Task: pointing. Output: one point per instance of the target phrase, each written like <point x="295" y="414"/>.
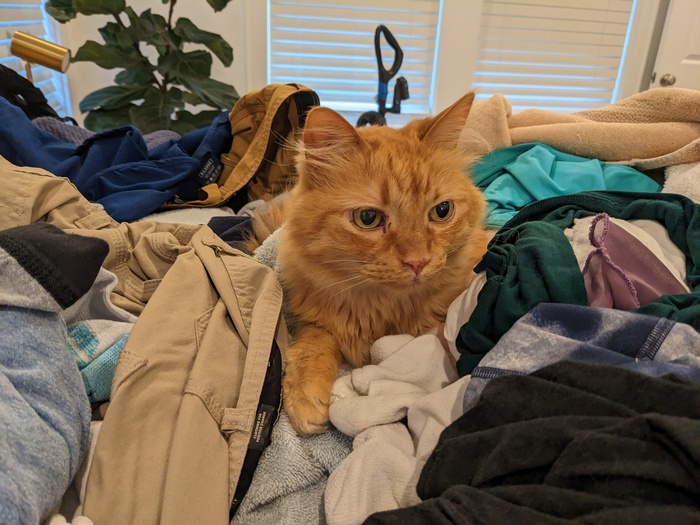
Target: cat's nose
<point x="417" y="265"/>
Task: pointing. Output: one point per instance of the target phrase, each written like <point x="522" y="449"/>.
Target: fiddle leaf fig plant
<point x="151" y="96"/>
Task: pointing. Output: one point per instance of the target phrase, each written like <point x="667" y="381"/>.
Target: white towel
<point x="683" y="179"/>
<point x="411" y="378"/>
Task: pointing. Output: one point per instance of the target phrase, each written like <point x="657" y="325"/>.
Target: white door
<point x="678" y="60"/>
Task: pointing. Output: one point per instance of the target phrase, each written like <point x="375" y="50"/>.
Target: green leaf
<point x="218" y="5"/>
<point x="110" y="33"/>
<point x="99" y="7"/>
<point x="131" y="14"/>
<point x="132" y="76"/>
<point x="222" y="50"/>
<point x="60" y="10"/>
<point x="212" y="92"/>
<point x="116" y="35"/>
<point x="185" y="29"/>
<point x="181" y="127"/>
<point x="105" y="119"/>
<point x="175" y="94"/>
<point x="198" y="120"/>
<point x="109" y="57"/>
<point x="191" y="98"/>
<point x="195" y="65"/>
<point x="153" y="29"/>
<point x="112" y="97"/>
<point x="155" y="113"/>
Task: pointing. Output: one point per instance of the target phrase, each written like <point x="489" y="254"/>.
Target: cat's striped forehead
<point x="403" y="170"/>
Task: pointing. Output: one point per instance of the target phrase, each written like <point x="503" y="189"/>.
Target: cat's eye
<point x="442" y="211"/>
<point x="367" y="218"/>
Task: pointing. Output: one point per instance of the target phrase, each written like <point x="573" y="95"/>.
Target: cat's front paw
<point x="306" y="405"/>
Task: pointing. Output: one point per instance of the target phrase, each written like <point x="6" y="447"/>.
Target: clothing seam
<point x="490" y="372"/>
<point x="655" y="339"/>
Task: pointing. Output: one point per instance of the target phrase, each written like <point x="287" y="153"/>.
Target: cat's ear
<point x="445" y="128"/>
<point x="328" y="139"/>
<point x="326" y="128"/>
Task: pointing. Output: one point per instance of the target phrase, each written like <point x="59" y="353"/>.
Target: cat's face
<point x="381" y="206"/>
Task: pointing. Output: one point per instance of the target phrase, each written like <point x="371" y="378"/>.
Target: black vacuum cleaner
<point x="385" y="75"/>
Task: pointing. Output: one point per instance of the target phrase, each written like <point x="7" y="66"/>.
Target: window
<point x="563" y="55"/>
<point x="29" y="16"/>
<point x="329" y="47"/>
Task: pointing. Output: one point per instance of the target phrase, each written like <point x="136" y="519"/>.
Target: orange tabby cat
<point x="381" y="233"/>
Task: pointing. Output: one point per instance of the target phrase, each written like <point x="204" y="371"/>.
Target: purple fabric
<point x="76" y="135"/>
<point x="621" y="272"/>
<point x="156" y="138"/>
<point x="62" y="130"/>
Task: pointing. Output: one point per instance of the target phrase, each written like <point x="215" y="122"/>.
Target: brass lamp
<point x="35" y="50"/>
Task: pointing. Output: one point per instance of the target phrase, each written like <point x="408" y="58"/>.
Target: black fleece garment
<point x="65" y="265"/>
<point x="570" y="443"/>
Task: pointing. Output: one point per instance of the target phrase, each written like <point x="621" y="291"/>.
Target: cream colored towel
<point x="411" y="378"/>
<point x="684" y="179"/>
<point x="652" y="129"/>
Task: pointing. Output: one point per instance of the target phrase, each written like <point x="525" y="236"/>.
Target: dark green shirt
<point x="530" y="261"/>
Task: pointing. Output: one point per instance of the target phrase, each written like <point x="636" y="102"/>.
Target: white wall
<point x="232" y="24"/>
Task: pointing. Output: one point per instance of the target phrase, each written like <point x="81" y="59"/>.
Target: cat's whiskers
<point x="280" y="164"/>
<point x="351" y="286"/>
<point x="341" y="265"/>
<point x="335" y="283"/>
<point x="476" y="138"/>
<point x="454" y="248"/>
<point x="333" y="261"/>
<point x="285" y="142"/>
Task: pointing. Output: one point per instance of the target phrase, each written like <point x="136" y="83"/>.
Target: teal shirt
<point x="530" y="261"/>
<point x="511" y="178"/>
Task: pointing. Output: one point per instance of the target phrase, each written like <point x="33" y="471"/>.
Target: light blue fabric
<point x="290" y="479"/>
<point x="97" y="333"/>
<point x="95" y="357"/>
<point x="44" y="411"/>
<point x="513" y="177"/>
<point x="44" y="414"/>
<point x="98" y="375"/>
<point x="96" y="364"/>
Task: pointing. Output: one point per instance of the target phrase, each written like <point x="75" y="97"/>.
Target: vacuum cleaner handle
<point x="377" y="118"/>
<point x="386" y="74"/>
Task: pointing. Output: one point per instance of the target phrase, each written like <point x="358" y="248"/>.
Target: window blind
<point x="562" y="55"/>
<point x="329" y="47"/>
<point x="29" y="16"/>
